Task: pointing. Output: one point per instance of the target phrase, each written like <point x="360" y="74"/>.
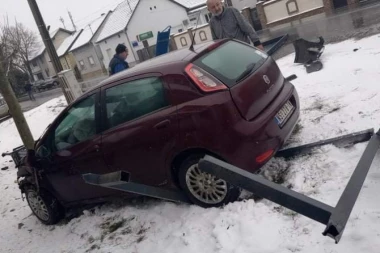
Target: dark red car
<point x="157" y="119"/>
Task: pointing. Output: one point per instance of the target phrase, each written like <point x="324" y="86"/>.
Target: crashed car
<point x="157" y="120"/>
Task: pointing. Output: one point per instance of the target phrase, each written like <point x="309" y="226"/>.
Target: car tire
<point x="44" y="206"/>
<point x="211" y="193"/>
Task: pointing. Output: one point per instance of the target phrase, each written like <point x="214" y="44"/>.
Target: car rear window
<point x="230" y="60"/>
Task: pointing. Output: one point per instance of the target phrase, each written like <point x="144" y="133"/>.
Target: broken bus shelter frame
<point x="335" y="219"/>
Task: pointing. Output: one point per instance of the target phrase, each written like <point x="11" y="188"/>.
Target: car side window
<point x="78" y="125"/>
<point x="134" y="99"/>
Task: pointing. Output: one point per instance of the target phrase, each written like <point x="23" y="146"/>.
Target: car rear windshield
<point x="229" y="61"/>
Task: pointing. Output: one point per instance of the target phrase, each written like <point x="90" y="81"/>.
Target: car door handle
<point x="162" y="124"/>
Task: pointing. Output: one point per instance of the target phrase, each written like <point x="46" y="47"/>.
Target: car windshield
<point x="229" y="61"/>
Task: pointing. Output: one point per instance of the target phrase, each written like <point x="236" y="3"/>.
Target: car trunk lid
<point x="252" y="77"/>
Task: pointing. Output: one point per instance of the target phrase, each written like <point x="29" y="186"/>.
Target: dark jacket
<point x="117" y="64"/>
<point x="232" y="24"/>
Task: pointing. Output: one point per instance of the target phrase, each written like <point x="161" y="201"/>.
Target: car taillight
<point x="205" y="81"/>
<point x="264" y="156"/>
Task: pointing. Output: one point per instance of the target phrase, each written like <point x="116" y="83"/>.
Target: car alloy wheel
<point x="38" y="206"/>
<point x="205" y="187"/>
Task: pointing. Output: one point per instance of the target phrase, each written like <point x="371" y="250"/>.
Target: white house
<point x="40" y="62"/>
<point x="136" y="23"/>
<point x="241" y="4"/>
<point x="86" y="53"/>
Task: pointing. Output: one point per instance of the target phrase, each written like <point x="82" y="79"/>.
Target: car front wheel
<point x="44" y="206"/>
<point x="204" y="189"/>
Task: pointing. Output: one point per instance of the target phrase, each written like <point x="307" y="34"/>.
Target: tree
<point x="24" y="43"/>
<point x="8" y="54"/>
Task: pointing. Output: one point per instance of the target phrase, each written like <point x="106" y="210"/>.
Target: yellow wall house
<point x="66" y="57"/>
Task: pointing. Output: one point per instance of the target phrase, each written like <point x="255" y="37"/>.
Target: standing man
<point x="118" y="62"/>
<point x="228" y="22"/>
<point x="28" y="88"/>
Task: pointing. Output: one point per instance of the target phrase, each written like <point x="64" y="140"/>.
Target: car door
<point x="75" y="146"/>
<point x="141" y="129"/>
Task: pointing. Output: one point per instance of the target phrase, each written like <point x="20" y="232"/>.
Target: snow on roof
<point x="67" y="43"/>
<point x="88" y="32"/>
<point x="118" y="19"/>
<point x="36" y="53"/>
<point x="54" y="32"/>
<point x="191" y="4"/>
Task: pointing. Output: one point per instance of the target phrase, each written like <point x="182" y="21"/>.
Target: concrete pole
<point x="15" y="111"/>
<point x="48" y="43"/>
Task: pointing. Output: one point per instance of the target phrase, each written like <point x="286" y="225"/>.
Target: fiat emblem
<point x="266" y="79"/>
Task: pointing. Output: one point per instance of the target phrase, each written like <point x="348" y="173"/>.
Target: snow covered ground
<point x="337" y="100"/>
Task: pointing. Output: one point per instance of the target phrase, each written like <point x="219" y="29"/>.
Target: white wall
<point x="202" y="35"/>
<point x="82" y="54"/>
<point x="277" y="10"/>
<point x="193" y="17"/>
<point x="111" y="44"/>
<point x="241" y="4"/>
<point x="144" y="20"/>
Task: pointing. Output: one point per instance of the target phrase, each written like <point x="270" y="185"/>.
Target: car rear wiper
<point x="247" y="71"/>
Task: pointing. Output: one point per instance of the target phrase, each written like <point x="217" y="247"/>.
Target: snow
<point x="88" y="32"/>
<point x="190" y="4"/>
<point x="341" y="98"/>
<point x="118" y="20"/>
<point x="67" y="43"/>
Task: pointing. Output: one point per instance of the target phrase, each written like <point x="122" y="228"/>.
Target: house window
<point x="202" y="36"/>
<point x="91" y="61"/>
<point x="34" y="63"/>
<point x="183" y="41"/>
<point x="81" y="64"/>
<point x="208" y="17"/>
<point x="292" y="7"/>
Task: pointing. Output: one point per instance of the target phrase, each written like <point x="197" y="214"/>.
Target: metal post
<point x="342" y="211"/>
<point x="266" y="189"/>
<point x="335" y="219"/>
<point x="47" y="41"/>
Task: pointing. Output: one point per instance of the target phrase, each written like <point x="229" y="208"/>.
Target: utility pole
<point x="72" y="21"/>
<point x="63" y="22"/>
<point x="15" y="110"/>
<point x="48" y="43"/>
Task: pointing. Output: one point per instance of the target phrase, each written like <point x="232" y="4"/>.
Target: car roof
<point x="154" y="64"/>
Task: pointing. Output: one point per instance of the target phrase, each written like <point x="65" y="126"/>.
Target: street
<point x="41" y="98"/>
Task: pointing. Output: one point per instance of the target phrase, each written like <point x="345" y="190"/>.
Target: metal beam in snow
<point x="335" y="218"/>
<point x="349" y="139"/>
<point x="266" y="189"/>
<point x="342" y="211"/>
<point x="120" y="181"/>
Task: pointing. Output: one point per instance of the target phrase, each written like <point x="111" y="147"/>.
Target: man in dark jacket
<point x="118" y="62"/>
<point x="228" y="22"/>
<point x="28" y="88"/>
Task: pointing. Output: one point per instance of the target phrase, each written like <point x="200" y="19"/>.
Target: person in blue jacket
<point x="118" y="62"/>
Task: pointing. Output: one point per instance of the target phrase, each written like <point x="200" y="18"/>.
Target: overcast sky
<point x="83" y="11"/>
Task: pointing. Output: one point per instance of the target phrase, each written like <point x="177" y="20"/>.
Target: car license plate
<point x="284" y="113"/>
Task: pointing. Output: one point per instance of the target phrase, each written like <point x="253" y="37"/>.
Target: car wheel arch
<point x="181" y="156"/>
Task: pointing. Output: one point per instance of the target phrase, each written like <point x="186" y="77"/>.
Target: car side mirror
<point x="43" y="152"/>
